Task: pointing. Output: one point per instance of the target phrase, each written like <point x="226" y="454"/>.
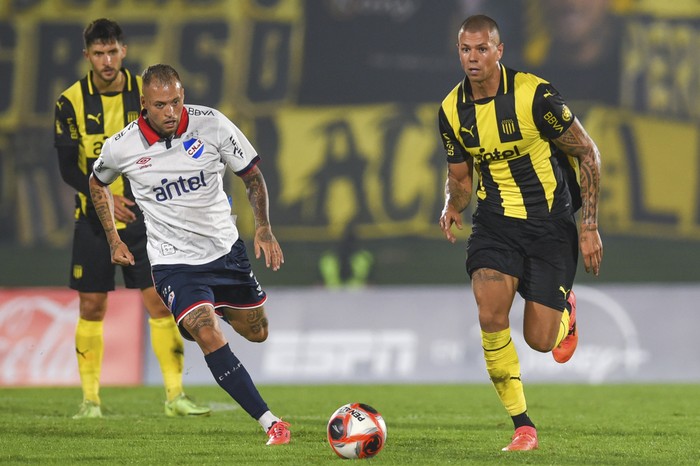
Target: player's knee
<point x="492" y="321"/>
<point x="93" y="306"/>
<point x="257" y="336"/>
<point x="541" y="343"/>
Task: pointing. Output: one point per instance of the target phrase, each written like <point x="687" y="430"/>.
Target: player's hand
<point x="591" y="248"/>
<point x="122" y="212"/>
<point x="447" y="218"/>
<point x="121" y="254"/>
<point x="266" y="241"/>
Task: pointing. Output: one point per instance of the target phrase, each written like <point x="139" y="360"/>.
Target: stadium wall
<point x="426" y="335"/>
<point x="374" y="335"/>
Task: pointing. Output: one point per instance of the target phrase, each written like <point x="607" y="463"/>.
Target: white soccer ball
<point x="356" y="430"/>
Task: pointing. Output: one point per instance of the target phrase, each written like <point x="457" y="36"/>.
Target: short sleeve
<point x="104" y="168"/>
<point x="65" y="126"/>
<point x="235" y="149"/>
<point x="551" y="114"/>
<point x="453" y="147"/>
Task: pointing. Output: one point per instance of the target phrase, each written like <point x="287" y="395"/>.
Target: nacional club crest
<point x="194" y="147"/>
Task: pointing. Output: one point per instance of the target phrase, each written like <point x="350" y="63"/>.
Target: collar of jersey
<point x="150" y="134"/>
<point x="502" y="87"/>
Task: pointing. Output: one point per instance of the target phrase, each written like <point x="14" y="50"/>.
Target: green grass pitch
<point x="427" y="424"/>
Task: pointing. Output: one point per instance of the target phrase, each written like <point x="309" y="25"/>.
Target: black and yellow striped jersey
<point x="85" y="119"/>
<point x="522" y="174"/>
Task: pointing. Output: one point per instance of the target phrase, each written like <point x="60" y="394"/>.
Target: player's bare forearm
<point x="258" y="197"/>
<point x="577" y="143"/>
<point x="264" y="240"/>
<point x="104" y="207"/>
<point x="456" y="195"/>
<point x="458" y="187"/>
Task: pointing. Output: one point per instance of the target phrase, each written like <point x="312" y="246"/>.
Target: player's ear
<point x="123" y="50"/>
<point x="143" y="102"/>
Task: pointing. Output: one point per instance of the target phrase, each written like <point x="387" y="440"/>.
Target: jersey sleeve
<point x="549" y="110"/>
<point x="104" y="168"/>
<point x="453" y="147"/>
<point x="65" y="126"/>
<point x="235" y="149"/>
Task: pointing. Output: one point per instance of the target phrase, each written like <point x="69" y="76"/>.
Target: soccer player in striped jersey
<point x="175" y="157"/>
<point x="92" y="109"/>
<point x="529" y="152"/>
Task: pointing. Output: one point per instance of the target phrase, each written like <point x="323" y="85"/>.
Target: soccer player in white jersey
<point x="175" y="158"/>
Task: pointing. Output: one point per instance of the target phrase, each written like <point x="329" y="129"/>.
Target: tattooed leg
<point x="251" y="324"/>
<point x="203" y="325"/>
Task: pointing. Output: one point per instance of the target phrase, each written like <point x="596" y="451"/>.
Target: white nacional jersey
<point x="178" y="182"/>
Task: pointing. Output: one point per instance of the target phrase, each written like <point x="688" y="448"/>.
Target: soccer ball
<point x="356" y="430"/>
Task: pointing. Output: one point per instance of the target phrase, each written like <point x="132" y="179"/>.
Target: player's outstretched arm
<point x="259" y="201"/>
<point x="576" y="142"/>
<point x="458" y="194"/>
<point x="104" y="206"/>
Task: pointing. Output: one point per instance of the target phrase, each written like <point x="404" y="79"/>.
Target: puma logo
<point x="469" y="131"/>
<point x="565" y="291"/>
<point x="82" y="354"/>
<point x="548" y="94"/>
<point x="97" y="117"/>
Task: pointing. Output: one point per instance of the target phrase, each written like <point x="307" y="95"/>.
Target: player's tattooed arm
<point x="104" y="207"/>
<point x="577" y="143"/>
<point x="264" y="240"/>
<point x="258" y="196"/>
<point x="458" y="195"/>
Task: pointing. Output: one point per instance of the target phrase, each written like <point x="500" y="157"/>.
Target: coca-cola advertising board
<point x="37" y="337"/>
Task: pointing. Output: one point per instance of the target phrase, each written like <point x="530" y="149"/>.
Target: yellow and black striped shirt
<point x="85" y="119"/>
<point x="522" y="174"/>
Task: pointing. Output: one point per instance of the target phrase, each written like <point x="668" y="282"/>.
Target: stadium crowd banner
<point x="357" y="114"/>
<point x="37" y="338"/>
<point x="431" y="334"/>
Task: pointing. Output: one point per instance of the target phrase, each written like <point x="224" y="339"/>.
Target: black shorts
<point x="542" y="254"/>
<point x="92" y="270"/>
<point x="225" y="282"/>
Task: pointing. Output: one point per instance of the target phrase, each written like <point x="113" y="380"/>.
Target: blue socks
<point x="230" y="374"/>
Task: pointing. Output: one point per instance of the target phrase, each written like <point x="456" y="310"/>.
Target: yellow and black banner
<point x="340" y="98"/>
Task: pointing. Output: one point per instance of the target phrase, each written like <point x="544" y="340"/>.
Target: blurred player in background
<point x="175" y="158"/>
<point x="517" y="132"/>
<point x="576" y="43"/>
<point x="87" y="113"/>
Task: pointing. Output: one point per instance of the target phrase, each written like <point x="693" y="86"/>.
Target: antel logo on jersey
<point x="194" y="147"/>
<point x="487" y="157"/>
<point x="171" y="189"/>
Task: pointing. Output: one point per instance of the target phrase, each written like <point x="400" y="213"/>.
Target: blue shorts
<point x="225" y="282"/>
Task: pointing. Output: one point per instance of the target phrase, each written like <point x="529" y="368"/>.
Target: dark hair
<point x="104" y="31"/>
<point x="164" y="74"/>
<point x="478" y="23"/>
